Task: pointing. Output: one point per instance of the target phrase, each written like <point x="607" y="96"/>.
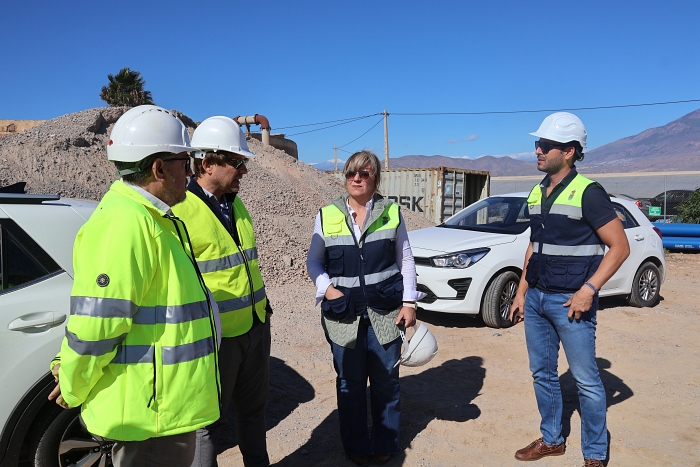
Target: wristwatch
<point x="410" y="305"/>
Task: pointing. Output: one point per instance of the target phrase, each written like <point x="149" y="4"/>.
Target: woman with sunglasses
<point x="361" y="262"/>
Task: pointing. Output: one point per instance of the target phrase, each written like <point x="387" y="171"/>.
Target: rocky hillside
<point x="674" y="146"/>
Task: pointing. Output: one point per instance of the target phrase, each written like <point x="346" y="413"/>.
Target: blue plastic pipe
<point x="681" y="243"/>
<point x="678" y="230"/>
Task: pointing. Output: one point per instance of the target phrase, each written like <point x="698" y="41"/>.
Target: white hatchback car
<point x="36" y="276"/>
<point x="472" y="262"/>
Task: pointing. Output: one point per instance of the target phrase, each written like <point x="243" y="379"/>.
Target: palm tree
<point x="126" y="89"/>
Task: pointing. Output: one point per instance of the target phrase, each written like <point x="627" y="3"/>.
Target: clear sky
<point x="300" y="62"/>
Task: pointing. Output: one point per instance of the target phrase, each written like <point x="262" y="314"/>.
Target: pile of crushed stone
<point x="67" y="155"/>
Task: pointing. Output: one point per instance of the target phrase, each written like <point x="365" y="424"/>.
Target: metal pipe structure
<point x="256" y="119"/>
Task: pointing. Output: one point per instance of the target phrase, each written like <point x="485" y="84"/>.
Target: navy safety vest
<point x="566" y="251"/>
<point x="364" y="269"/>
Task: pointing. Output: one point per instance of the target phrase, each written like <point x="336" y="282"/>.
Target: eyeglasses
<point x="546" y="146"/>
<point x="364" y="174"/>
<point x="187" y="164"/>
<point x="235" y="163"/>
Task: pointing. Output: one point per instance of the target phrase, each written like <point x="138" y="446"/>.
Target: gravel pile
<point x="67" y="156"/>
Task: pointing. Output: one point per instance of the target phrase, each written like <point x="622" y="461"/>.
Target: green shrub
<point x="689" y="209"/>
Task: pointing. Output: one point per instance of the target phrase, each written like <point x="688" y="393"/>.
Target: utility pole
<point x="335" y="158"/>
<point x="386" y="139"/>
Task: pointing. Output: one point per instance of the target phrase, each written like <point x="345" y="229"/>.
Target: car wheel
<point x="63" y="441"/>
<point x="646" y="286"/>
<point x="498" y="298"/>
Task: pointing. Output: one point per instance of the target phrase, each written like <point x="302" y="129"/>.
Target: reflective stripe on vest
<point x="219" y="264"/>
<point x="566" y="250"/>
<point x="120" y="308"/>
<point x="370" y="279"/>
<point x="236" y="304"/>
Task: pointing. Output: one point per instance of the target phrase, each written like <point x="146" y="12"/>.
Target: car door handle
<point x="37" y="320"/>
<point x="639" y="238"/>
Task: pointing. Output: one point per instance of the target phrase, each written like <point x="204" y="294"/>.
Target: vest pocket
<point x="335" y="261"/>
<point x="337" y="309"/>
<point x="532" y="271"/>
<point x="566" y="274"/>
<point x="387" y="295"/>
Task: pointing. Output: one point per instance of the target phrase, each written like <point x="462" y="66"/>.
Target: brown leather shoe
<point x="382" y="458"/>
<point x="593" y="463"/>
<point x="537" y="450"/>
<point x="361" y="461"/>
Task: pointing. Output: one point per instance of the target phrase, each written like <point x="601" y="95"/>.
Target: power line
<point x="549" y="110"/>
<point x="323" y="123"/>
<point x="331" y="126"/>
<point x="345" y="121"/>
<point x="363" y="134"/>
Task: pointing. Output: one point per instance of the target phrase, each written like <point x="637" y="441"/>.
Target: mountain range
<point x="672" y="147"/>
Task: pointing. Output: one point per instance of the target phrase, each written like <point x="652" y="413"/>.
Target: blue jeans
<point x="547" y="324"/>
<point x="353" y="367"/>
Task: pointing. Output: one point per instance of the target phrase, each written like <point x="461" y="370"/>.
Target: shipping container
<point x="436" y="193"/>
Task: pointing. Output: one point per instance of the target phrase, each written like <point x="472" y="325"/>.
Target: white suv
<point x="36" y="275"/>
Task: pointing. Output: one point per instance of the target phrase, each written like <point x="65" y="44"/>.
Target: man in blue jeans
<point x="571" y="222"/>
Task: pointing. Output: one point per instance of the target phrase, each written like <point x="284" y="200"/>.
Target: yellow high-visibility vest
<point x="139" y="352"/>
<point x="230" y="271"/>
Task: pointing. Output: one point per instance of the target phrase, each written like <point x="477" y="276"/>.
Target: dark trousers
<point x="244" y="366"/>
<point x="368" y="360"/>
<point x="166" y="451"/>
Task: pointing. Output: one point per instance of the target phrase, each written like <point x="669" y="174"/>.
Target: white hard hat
<point x="220" y="133"/>
<point x="562" y="127"/>
<point x="146" y="130"/>
<point x="420" y="349"/>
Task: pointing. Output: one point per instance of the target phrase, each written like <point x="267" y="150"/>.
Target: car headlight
<point x="459" y="259"/>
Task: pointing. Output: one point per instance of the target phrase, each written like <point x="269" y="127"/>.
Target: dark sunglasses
<point x="546" y="146"/>
<point x="235" y="163"/>
<point x="364" y="174"/>
<point x="187" y="160"/>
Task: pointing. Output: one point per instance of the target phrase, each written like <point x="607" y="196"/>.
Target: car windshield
<point x="496" y="214"/>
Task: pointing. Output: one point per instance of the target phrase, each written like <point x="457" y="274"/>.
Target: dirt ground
<point x="474" y="404"/>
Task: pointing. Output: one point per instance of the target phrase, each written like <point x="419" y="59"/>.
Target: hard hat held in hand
<point x="562" y="127"/>
<point x="220" y="134"/>
<point x="420" y="349"/>
<point x="146" y="130"/>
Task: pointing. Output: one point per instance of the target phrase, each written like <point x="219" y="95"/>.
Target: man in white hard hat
<point x="571" y="222"/>
<point x="139" y="355"/>
<point x="224" y="245"/>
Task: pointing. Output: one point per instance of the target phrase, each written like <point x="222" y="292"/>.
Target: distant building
<point x="10" y="127"/>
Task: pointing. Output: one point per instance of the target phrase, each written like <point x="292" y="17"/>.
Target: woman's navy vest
<point x="365" y="269"/>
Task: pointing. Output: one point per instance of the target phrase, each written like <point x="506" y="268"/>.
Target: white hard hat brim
<point x="552" y="138"/>
<point x="201" y="151"/>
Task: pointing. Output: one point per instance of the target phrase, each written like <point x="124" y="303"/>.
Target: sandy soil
<point x="474" y="405"/>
